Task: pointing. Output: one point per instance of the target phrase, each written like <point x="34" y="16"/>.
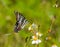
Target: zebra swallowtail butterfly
<point x="20" y="22"/>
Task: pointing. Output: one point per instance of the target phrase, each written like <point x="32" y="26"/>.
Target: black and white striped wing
<point x="20" y="22"/>
<point x="18" y="16"/>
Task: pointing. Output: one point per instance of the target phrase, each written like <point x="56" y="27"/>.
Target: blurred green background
<point x="37" y="11"/>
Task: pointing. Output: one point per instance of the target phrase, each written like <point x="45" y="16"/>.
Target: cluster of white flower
<point x="39" y="34"/>
<point x="35" y="39"/>
<point x="32" y="27"/>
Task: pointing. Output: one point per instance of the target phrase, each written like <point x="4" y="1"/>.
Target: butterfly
<point x="21" y="21"/>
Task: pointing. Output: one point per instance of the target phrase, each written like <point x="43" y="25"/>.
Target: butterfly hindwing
<point x="24" y="23"/>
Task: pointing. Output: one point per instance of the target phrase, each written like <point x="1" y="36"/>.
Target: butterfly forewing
<point x="18" y="16"/>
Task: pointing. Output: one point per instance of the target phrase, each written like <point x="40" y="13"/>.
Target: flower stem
<point x="37" y="45"/>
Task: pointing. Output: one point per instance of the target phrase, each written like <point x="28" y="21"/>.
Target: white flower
<point x="29" y="28"/>
<point x="36" y="41"/>
<point x="34" y="37"/>
<point x="39" y="34"/>
<point x="33" y="42"/>
<point x="54" y="45"/>
<point x="34" y="26"/>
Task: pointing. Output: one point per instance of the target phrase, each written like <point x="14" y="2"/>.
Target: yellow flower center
<point x="35" y="38"/>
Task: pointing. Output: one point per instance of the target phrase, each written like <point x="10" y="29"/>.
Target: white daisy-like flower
<point x="33" y="42"/>
<point x="29" y="28"/>
<point x="54" y="45"/>
<point x="39" y="34"/>
<point x="36" y="41"/>
<point x="33" y="26"/>
<point x="34" y="37"/>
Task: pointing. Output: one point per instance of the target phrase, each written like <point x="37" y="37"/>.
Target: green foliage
<point x="36" y="11"/>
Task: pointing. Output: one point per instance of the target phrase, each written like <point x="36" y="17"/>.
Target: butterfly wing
<point x="24" y="23"/>
<point x="20" y="22"/>
<point x="17" y="27"/>
<point x="18" y="15"/>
